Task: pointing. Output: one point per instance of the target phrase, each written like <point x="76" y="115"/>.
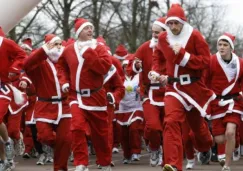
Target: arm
<point x="98" y="59"/>
<point x="197" y="61"/>
<point x="35" y="59"/>
<point x="17" y="56"/>
<point x="63" y="73"/>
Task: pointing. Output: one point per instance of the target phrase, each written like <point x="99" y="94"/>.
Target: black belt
<point x="183" y="80"/>
<point x="229" y="96"/>
<point x="155" y="85"/>
<point x="87" y="92"/>
<point x="51" y="100"/>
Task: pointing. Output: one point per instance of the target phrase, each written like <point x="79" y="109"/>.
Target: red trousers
<point x="58" y="137"/>
<point x="175" y="115"/>
<point x="116" y="132"/>
<point x="13" y="123"/>
<point x="154" y="116"/>
<point x="221" y="150"/>
<point x="131" y="139"/>
<point x="28" y="140"/>
<point x="98" y="122"/>
<point x="187" y="141"/>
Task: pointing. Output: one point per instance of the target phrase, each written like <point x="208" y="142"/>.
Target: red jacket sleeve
<point x="17" y="55"/>
<point x="63" y="71"/>
<point x="158" y="62"/>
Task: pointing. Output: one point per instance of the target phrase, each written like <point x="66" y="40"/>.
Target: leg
<point x="98" y="121"/>
<point x="45" y="133"/>
<point x="28" y="141"/>
<point x="63" y="144"/>
<point x="37" y="144"/>
<point x="125" y="142"/>
<point x="153" y="125"/>
<point x="79" y="141"/>
<point x="172" y="132"/>
<point x="135" y="137"/>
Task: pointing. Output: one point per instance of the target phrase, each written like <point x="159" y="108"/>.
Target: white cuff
<point x="152" y="75"/>
<point x="185" y="59"/>
<point x="45" y="49"/>
<point x="64" y="86"/>
<point x="83" y="50"/>
<point x="113" y="98"/>
<point x="27" y="79"/>
<point x="134" y="68"/>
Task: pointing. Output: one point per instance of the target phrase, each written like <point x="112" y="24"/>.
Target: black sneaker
<point x="204" y="157"/>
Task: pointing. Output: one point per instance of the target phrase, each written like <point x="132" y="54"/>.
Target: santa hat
<point x="121" y="52"/>
<point x="51" y="38"/>
<point x="101" y="40"/>
<point x="127" y="59"/>
<point x="229" y="37"/>
<point x="176" y="12"/>
<point x="1" y="32"/>
<point x="80" y="23"/>
<point x="27" y="43"/>
<point x="161" y="22"/>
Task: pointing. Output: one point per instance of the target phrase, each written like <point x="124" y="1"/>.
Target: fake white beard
<point x="55" y="53"/>
<point x="153" y="42"/>
<point x="182" y="38"/>
<point x="90" y="43"/>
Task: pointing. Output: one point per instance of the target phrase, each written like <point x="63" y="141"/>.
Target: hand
<point x="176" y="48"/>
<point x="109" y="98"/>
<point x="163" y="79"/>
<point x="23" y="84"/>
<point x="66" y="90"/>
<point x="138" y="63"/>
<point x="49" y="45"/>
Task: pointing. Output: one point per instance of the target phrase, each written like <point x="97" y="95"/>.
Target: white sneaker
<point x="5" y="166"/>
<point x="154" y="158"/>
<point x="126" y="161"/>
<point x="9" y="149"/>
<point x="42" y="159"/>
<point x="160" y="157"/>
<point x="190" y="164"/>
<point x="236" y="154"/>
<point x="115" y="150"/>
<point x="71" y="158"/>
<point x="106" y="168"/>
<point x="226" y="168"/>
<point x="19" y="146"/>
<point x="81" y="168"/>
<point x="135" y="157"/>
<point x="11" y="163"/>
<point x="222" y="162"/>
<point x="204" y="157"/>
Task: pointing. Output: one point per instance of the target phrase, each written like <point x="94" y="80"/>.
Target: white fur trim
<point x="18" y="95"/>
<point x="110" y="73"/>
<point x="31" y="121"/>
<point x="55" y="39"/>
<point x="125" y="62"/>
<point x="45" y="48"/>
<point x="1" y="40"/>
<point x="5" y="97"/>
<point x="66" y="116"/>
<point x="18" y="110"/>
<point x="151" y="96"/>
<point x="160" y="24"/>
<point x="27" y="79"/>
<point x="134" y="68"/>
<point x="152" y="75"/>
<point x="78" y="73"/>
<point x="66" y="85"/>
<point x="113" y="98"/>
<point x="82" y="27"/>
<point x="183" y="102"/>
<point x="25" y="46"/>
<point x="228" y="39"/>
<point x="83" y="50"/>
<point x="46" y="120"/>
<point x="175" y="18"/>
<point x="120" y="57"/>
<point x="185" y="59"/>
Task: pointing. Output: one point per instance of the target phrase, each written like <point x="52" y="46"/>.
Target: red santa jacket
<point x="12" y="57"/>
<point x="191" y="61"/>
<point x="148" y="89"/>
<point x="227" y="89"/>
<point x="84" y="69"/>
<point x="51" y="105"/>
